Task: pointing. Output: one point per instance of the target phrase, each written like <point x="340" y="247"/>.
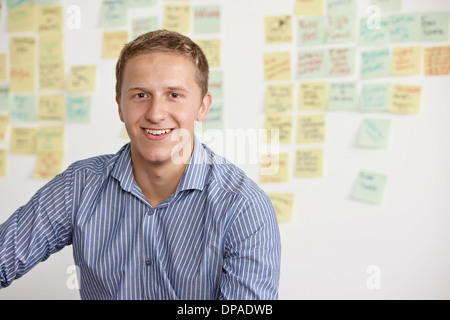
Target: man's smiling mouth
<point x="157" y="132"/>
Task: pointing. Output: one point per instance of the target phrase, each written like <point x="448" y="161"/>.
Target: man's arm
<point x="251" y="268"/>
<point x="36" y="230"/>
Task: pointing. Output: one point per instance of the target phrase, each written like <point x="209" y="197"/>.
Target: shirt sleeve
<point x="251" y="267"/>
<point x="36" y="230"/>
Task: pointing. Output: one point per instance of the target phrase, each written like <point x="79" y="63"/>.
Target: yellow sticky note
<point x="23" y="141"/>
<point x="406" y="99"/>
<point x="277" y="66"/>
<point x="50" y="139"/>
<point x="3" y="163"/>
<point x="278" y="29"/>
<point x="212" y="50"/>
<point x="51" y="108"/>
<point x="177" y="18"/>
<point x="309" y="163"/>
<point x="48" y="165"/>
<point x="52" y="76"/>
<point x="22" y="79"/>
<point x="22" y="51"/>
<point x="113" y="43"/>
<point x="49" y="18"/>
<point x="82" y="78"/>
<point x="278" y="126"/>
<point x="279" y="98"/>
<point x="274" y="168"/>
<point x="4" y="121"/>
<point x="309" y="7"/>
<point x="22" y="18"/>
<point x="313" y="96"/>
<point x="406" y="61"/>
<point x="283" y="204"/>
<point x="51" y="47"/>
<point x="311" y="129"/>
<point x="3" y="68"/>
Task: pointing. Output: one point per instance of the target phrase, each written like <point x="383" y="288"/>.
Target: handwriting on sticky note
<point x="406" y="61"/>
<point x="279" y="98"/>
<point x="274" y="168"/>
<point x="22" y="19"/>
<point x="78" y="109"/>
<point x="404" y="27"/>
<point x="342" y="96"/>
<point x="340" y="28"/>
<point x="311" y="129"/>
<point x="434" y="26"/>
<point x="52" y="76"/>
<point x="369" y="187"/>
<point x="342" y="61"/>
<point x="374" y="36"/>
<point x="50" y="139"/>
<point x="311" y="31"/>
<point x="278" y="29"/>
<point x="48" y="165"/>
<point x="177" y="18"/>
<point x="51" y="47"/>
<point x="49" y="18"/>
<point x="406" y="99"/>
<point x="308" y="163"/>
<point x="113" y="13"/>
<point x="311" y="63"/>
<point x="280" y="123"/>
<point x="23" y="108"/>
<point x="3" y="163"/>
<point x="283" y="205"/>
<point x="213" y="51"/>
<point x="375" y="97"/>
<point x="112" y="43"/>
<point x="22" y="51"/>
<point x="82" y="78"/>
<point x="277" y="66"/>
<point x="375" y="63"/>
<point x="207" y="19"/>
<point x="23" y="141"/>
<point x="374" y="133"/>
<point x="51" y="108"/>
<point x="313" y="96"/>
<point x="437" y="61"/>
<point x="22" y="79"/>
<point x="309" y="7"/>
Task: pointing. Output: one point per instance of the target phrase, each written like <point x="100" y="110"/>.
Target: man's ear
<point x="204" y="108"/>
<point x="120" y="109"/>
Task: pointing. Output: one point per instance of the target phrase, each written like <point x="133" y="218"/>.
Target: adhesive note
<point x="283" y="125"/>
<point x="22" y="51"/>
<point x="22" y="141"/>
<point x="215" y="119"/>
<point x="3" y="68"/>
<point x="82" y="78"/>
<point x="375" y="97"/>
<point x="278" y="29"/>
<point x="177" y="18"/>
<point x="4" y="122"/>
<point x="51" y="108"/>
<point x="49" y="18"/>
<point x="437" y="61"/>
<point x="340" y="28"/>
<point x="23" y="108"/>
<point x="375" y="63"/>
<point x="310" y="31"/>
<point x="78" y="109"/>
<point x="4" y="96"/>
<point x="434" y="26"/>
<point x="369" y="187"/>
<point x="22" y="19"/>
<point x="309" y="7"/>
<point x="277" y="66"/>
<point x="274" y="168"/>
<point x="341" y="61"/>
<point x="340" y="6"/>
<point x="212" y="49"/>
<point x="311" y="63"/>
<point x="112" y="43"/>
<point x="283" y="205"/>
<point x="143" y="25"/>
<point x="215" y="84"/>
<point x="374" y="133"/>
<point x="406" y="99"/>
<point x="50" y="139"/>
<point x="373" y="35"/>
<point x="313" y="96"/>
<point x="52" y="76"/>
<point x="279" y="98"/>
<point x="51" y="48"/>
<point x="3" y="163"/>
<point x="141" y="3"/>
<point x="22" y="79"/>
<point x="206" y="19"/>
<point x="311" y="129"/>
<point x="406" y="61"/>
<point x="17" y="3"/>
<point x="404" y="28"/>
<point x="48" y="165"/>
<point x="342" y="96"/>
<point x="309" y="163"/>
<point x="388" y="5"/>
<point x="113" y="13"/>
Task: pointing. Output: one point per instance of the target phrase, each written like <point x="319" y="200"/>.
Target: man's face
<point x="160" y="101"/>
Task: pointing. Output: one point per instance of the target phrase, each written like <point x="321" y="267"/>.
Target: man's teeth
<point x="158" y="132"/>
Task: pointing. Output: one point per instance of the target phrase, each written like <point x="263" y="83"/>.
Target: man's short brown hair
<point x="166" y="42"/>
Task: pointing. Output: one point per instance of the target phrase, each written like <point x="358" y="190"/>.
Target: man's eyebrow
<point x="171" y="88"/>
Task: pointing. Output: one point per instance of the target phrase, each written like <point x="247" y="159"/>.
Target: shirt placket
<point x="149" y="260"/>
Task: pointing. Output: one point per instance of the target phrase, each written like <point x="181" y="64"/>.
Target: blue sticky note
<point x="23" y="108"/>
<point x="78" y="109"/>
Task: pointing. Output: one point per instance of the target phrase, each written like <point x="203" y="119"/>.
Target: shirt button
<point x="148" y="262"/>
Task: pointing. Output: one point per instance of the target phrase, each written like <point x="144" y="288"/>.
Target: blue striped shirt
<point x="216" y="237"/>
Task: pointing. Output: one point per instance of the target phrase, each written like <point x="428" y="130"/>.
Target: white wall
<point x="332" y="240"/>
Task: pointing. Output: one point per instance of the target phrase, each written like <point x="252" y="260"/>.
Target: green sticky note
<point x="23" y="108"/>
<point x="374" y="133"/>
<point x="206" y="19"/>
<point x="404" y="28"/>
<point x="215" y="119"/>
<point x="434" y="26"/>
<point x="369" y="187"/>
<point x="375" y="97"/>
<point x="141" y="3"/>
<point x="388" y="5"/>
<point x="342" y="96"/>
<point x="216" y="84"/>
<point x="375" y="63"/>
<point x="341" y="7"/>
<point x="4" y="96"/>
<point x="371" y="34"/>
<point x="312" y="63"/>
<point x="113" y="13"/>
<point x="78" y="109"/>
<point x="310" y="30"/>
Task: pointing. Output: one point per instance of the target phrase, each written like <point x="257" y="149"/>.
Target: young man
<point x="164" y="218"/>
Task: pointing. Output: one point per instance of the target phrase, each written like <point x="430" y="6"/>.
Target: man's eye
<point x="140" y="95"/>
<point x="174" y="95"/>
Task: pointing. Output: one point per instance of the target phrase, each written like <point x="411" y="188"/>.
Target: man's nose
<point x="156" y="110"/>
